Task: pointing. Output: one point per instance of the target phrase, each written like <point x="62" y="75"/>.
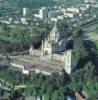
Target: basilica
<point x="54" y="47"/>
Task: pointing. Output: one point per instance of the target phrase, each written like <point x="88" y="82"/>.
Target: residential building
<point x="25" y="11"/>
<point x="43" y="13"/>
<point x="55" y="13"/>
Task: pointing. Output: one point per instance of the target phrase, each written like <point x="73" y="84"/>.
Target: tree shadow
<point x="92" y="56"/>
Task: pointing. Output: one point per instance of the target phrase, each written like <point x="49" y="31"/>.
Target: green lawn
<point x="96" y="42"/>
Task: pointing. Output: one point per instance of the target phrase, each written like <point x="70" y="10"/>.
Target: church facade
<point x="54" y="47"/>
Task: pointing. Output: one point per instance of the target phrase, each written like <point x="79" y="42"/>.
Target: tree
<point x="7" y="60"/>
<point x="16" y="95"/>
<point x="58" y="94"/>
<point x="79" y="50"/>
<point x="85" y="79"/>
<point x="1" y="92"/>
<point x="55" y="96"/>
<point x="89" y="71"/>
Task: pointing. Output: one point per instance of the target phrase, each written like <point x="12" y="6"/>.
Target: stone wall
<point x="59" y="57"/>
<point x="35" y="52"/>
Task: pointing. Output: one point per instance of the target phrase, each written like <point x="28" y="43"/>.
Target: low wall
<point x="27" y="71"/>
<point x="35" y="52"/>
<point x="17" y="65"/>
<point x="58" y="57"/>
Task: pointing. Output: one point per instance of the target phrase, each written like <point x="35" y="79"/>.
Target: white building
<point x="54" y="19"/>
<point x="55" y="14"/>
<point x="60" y="17"/>
<point x="53" y="56"/>
<point x="24" y="20"/>
<point x="83" y="7"/>
<point x="54" y="47"/>
<point x="25" y="11"/>
<point x="72" y="10"/>
<point x="43" y="13"/>
<point x="89" y="1"/>
<point x="71" y="15"/>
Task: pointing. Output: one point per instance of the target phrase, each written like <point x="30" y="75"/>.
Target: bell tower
<point x="54" y="34"/>
<point x="31" y="49"/>
<point x="46" y="49"/>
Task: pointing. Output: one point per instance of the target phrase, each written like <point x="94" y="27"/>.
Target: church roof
<point x="55" y="29"/>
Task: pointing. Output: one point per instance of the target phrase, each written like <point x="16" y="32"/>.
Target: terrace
<point x="30" y="63"/>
